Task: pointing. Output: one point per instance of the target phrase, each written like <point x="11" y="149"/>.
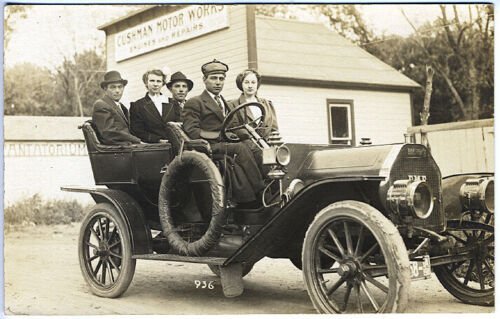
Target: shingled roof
<point x="310" y="51"/>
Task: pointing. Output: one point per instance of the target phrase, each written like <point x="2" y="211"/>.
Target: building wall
<point x="302" y="113"/>
<point x="227" y="45"/>
<point x="27" y="175"/>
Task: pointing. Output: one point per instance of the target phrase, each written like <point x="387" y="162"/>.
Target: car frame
<point x="361" y="222"/>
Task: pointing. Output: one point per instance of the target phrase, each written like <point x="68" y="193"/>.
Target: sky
<point x="51" y="32"/>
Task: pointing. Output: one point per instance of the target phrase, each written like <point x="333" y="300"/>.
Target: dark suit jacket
<point x="112" y="125"/>
<point x="202" y="117"/>
<point x="147" y="123"/>
<point x="271" y="120"/>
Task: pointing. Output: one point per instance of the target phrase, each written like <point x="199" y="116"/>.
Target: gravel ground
<point x="42" y="277"/>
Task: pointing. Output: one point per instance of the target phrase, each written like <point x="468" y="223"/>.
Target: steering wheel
<point x="248" y="125"/>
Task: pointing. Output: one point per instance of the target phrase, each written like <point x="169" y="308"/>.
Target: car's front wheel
<point x="354" y="260"/>
<point x="105" y="252"/>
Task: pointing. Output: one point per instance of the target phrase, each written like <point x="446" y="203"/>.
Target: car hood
<point x="326" y="162"/>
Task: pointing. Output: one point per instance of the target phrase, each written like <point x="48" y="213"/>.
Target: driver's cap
<point x="214" y="66"/>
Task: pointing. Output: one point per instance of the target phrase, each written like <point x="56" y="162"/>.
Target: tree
<point x="28" y="90"/>
<point x="347" y="20"/>
<point x="78" y="82"/>
<point x="460" y="51"/>
<point x="12" y="14"/>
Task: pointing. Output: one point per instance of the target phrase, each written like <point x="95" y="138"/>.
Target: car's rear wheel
<point x="354" y="260"/>
<point x="105" y="251"/>
<point x="471" y="281"/>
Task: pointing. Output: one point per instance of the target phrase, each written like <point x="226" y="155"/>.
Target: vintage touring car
<point x="361" y="223"/>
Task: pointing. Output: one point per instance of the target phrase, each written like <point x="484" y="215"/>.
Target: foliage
<point x="29" y="90"/>
<point x="12" y="14"/>
<point x="347" y="20"/>
<point x="459" y="50"/>
<point x="70" y="90"/>
<point x="35" y="210"/>
<point x="78" y="82"/>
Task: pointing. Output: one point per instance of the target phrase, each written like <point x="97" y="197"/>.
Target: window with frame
<point x="340" y="121"/>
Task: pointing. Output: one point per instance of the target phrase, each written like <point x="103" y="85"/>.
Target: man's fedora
<point x="179" y="76"/>
<point x="112" y="77"/>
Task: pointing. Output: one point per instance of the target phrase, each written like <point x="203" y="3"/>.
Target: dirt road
<point x="42" y="277"/>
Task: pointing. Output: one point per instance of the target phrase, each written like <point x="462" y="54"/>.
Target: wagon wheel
<point x="471" y="281"/>
<point x="354" y="261"/>
<point x="105" y="252"/>
<point x="244" y="271"/>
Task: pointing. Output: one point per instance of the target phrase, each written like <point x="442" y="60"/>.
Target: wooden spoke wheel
<point x="354" y="261"/>
<point x="105" y="252"/>
<point x="472" y="281"/>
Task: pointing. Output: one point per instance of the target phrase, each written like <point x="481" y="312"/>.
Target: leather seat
<point x="93" y="142"/>
<point x="180" y="140"/>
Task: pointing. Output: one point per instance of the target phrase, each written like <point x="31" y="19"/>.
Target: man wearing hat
<point x="109" y="116"/>
<point x="203" y="116"/>
<point x="150" y="114"/>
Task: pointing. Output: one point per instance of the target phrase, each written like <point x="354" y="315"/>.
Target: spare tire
<point x="177" y="173"/>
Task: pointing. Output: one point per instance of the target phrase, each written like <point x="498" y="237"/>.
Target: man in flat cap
<point x="150" y="114"/>
<point x="203" y="116"/>
<point x="110" y="116"/>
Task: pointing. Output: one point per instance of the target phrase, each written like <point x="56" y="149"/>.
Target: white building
<point x="324" y="88"/>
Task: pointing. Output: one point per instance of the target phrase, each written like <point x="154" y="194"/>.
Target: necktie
<point x="217" y="99"/>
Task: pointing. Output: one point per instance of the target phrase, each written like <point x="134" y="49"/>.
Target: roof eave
<point x="278" y="80"/>
<point x="131" y="14"/>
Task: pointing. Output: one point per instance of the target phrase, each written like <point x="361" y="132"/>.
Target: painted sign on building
<point x="36" y="149"/>
<point x="181" y="25"/>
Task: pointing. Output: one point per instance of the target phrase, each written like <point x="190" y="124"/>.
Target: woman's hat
<point x="179" y="76"/>
<point x="112" y="77"/>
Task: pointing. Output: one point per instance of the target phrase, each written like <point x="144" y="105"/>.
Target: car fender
<point x="291" y="221"/>
<point x="129" y="209"/>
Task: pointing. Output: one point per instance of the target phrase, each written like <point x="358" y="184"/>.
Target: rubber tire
<point x="389" y="239"/>
<point x="245" y="269"/>
<point x="463" y="293"/>
<point x="219" y="213"/>
<point x="458" y="291"/>
<point x="127" y="265"/>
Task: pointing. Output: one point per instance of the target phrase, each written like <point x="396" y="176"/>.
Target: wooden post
<point x="424" y="115"/>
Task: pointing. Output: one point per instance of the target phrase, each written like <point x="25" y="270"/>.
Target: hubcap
<point x="348" y="269"/>
<point x="103" y="250"/>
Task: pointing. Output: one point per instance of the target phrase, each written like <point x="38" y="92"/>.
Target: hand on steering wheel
<point x="228" y="132"/>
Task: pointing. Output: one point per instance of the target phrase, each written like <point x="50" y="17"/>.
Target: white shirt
<point x="158" y="100"/>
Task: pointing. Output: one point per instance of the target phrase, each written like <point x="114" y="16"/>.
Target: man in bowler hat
<point x="150" y="114"/>
<point x="203" y="116"/>
<point x="109" y="116"/>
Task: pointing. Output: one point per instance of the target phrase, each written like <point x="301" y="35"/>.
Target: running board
<point x="231" y="279"/>
<point x="187" y="259"/>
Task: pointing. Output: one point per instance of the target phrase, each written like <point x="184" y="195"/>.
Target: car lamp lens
<point x="422" y="203"/>
<point x="283" y="155"/>
<point x="407" y="196"/>
<point x="478" y="194"/>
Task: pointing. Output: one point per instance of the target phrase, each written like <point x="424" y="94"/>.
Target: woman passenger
<point x="248" y="82"/>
